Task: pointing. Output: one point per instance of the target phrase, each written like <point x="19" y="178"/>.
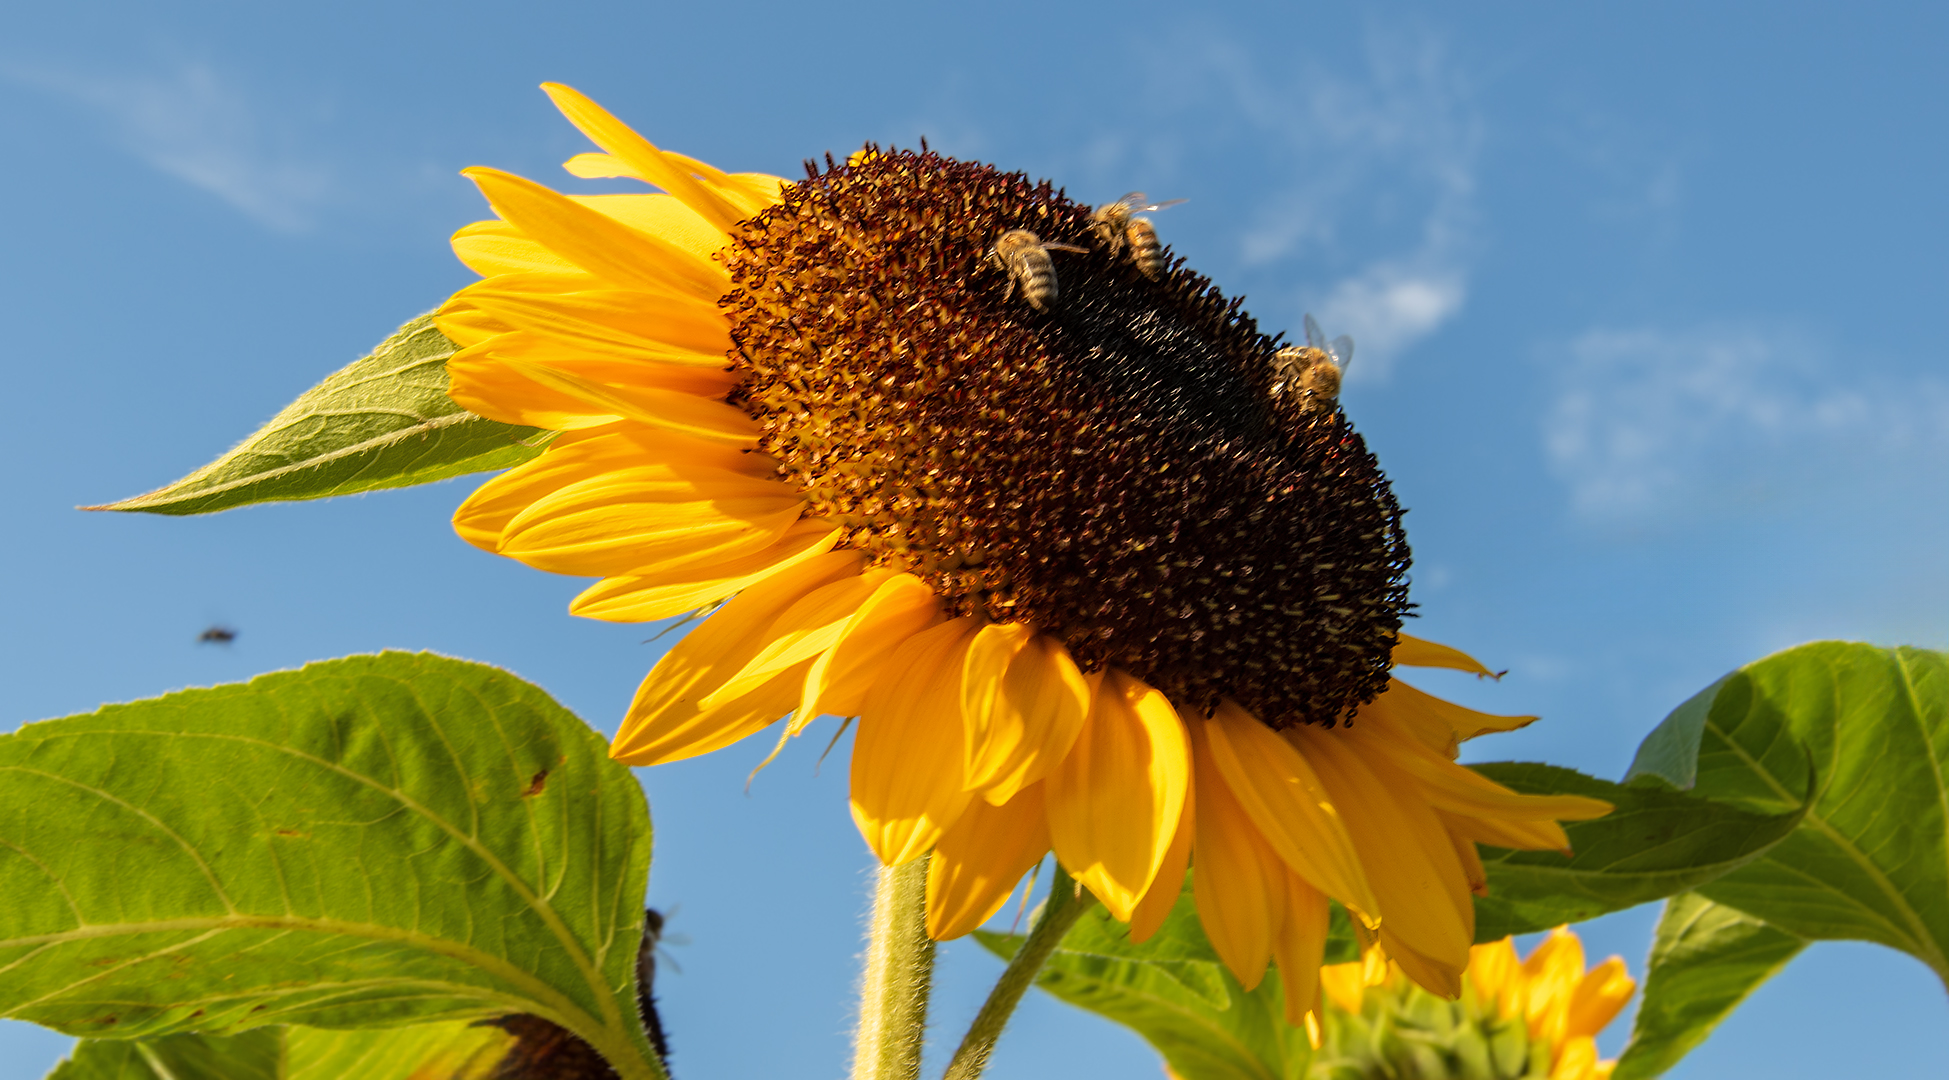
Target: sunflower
<point x="1532" y="1017"/>
<point x="1092" y="575"/>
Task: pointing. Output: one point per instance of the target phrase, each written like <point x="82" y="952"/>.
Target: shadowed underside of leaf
<point x="1706" y="959"/>
<point x="449" y="1051"/>
<point x="1655" y="843"/>
<point x="384" y="421"/>
<point x="371" y="841"/>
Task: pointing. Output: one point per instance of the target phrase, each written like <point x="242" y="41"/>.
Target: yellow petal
<point x="496" y="247"/>
<point x="1345" y="985"/>
<point x="1441" y="724"/>
<point x="670" y="410"/>
<point x="1457" y="788"/>
<point x="1576" y="1059"/>
<point x="1496" y="975"/>
<point x="1024" y="701"/>
<point x="1114" y="802"/>
<point x="1162" y="896"/>
<point x="1437" y="976"/>
<point x="1299" y="946"/>
<point x="750" y="192"/>
<point x="641" y="517"/>
<point x="1521" y="835"/>
<point x="480" y="379"/>
<point x="978" y="862"/>
<point x="645" y="159"/>
<point x="660" y="215"/>
<point x="663" y="326"/>
<point x="1599" y="997"/>
<point x="661" y="594"/>
<point x="1286" y="800"/>
<point x="596" y="242"/>
<point x="907" y="787"/>
<point x="1239" y="882"/>
<point x="665" y="722"/>
<point x="580" y="456"/>
<point x="805" y="630"/>
<point x="1410" y="651"/>
<point x="838" y="681"/>
<point x="1420" y="885"/>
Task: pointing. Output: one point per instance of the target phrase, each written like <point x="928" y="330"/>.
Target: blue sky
<point x="1647" y="302"/>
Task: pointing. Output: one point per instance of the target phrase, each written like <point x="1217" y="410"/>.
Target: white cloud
<point x="1646" y="422"/>
<point x="194" y="125"/>
<point x="1378" y="160"/>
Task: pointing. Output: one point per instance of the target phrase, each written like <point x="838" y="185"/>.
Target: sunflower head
<point x="1516" y="1018"/>
<point x="1120" y="462"/>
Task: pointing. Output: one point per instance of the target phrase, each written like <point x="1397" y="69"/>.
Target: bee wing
<point x="1157" y="206"/>
<point x="1313" y="335"/>
<point x="1065" y="247"/>
<point x="1133" y="200"/>
<point x="1341" y="350"/>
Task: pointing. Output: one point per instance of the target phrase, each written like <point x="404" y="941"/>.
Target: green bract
<point x="383" y="421"/>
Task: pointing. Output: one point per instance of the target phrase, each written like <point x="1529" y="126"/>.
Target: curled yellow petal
<point x="667" y="721"/>
<point x="838" y="681"/>
<point x="1411" y="651"/>
<point x="1115" y="800"/>
<point x="978" y="862"/>
<point x="907" y="758"/>
<point x="805" y="630"/>
<point x="1024" y="701"/>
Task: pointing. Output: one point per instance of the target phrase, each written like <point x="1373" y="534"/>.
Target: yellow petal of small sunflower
<point x="1115" y="800"/>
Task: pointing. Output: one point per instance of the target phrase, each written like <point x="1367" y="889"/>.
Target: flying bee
<point x="1026" y="259"/>
<point x="1315" y="368"/>
<point x="216" y="635"/>
<point x="1117" y="226"/>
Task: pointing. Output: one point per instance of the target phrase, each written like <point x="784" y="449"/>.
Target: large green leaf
<point x="1173" y="991"/>
<point x="373" y="841"/>
<point x="1656" y="842"/>
<point x="384" y="421"/>
<point x="1869" y="728"/>
<point x="1706" y="959"/>
<point x="449" y="1051"/>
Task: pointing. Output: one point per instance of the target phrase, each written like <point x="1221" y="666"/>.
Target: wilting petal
<point x="977" y="863"/>
<point x="1114" y="802"/>
<point x="907" y="770"/>
<point x="661" y="594"/>
<point x="1410" y="651"/>
<point x="1299" y="946"/>
<point x="1293" y="810"/>
<point x="667" y="722"/>
<point x="1024" y="701"/>
<point x="1420" y="885"/>
<point x="838" y="681"/>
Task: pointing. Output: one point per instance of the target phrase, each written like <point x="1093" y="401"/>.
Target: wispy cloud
<point x="1648" y="422"/>
<point x="1376" y="158"/>
<point x="193" y="124"/>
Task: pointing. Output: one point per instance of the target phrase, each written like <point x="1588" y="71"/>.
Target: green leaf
<point x="449" y="1051"/>
<point x="1174" y="992"/>
<point x="384" y="421"/>
<point x="372" y="841"/>
<point x="1656" y="843"/>
<point x="1705" y="960"/>
<point x="1870" y="726"/>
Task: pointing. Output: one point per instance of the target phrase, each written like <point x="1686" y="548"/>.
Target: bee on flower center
<point x="1116" y="226"/>
<point x="1025" y="258"/>
<point x="1313" y="370"/>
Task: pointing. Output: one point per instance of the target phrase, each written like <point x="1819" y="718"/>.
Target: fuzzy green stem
<point x="1067" y="902"/>
<point x="899" y="972"/>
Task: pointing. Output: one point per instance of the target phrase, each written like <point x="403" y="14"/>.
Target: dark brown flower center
<point x="1117" y="468"/>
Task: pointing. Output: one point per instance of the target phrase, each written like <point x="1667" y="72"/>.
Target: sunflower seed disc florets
<point x="1115" y="469"/>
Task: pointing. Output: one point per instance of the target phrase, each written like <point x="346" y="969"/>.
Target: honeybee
<point x="216" y="635"/>
<point x="1114" y="224"/>
<point x="1026" y="259"/>
<point x="1314" y="368"/>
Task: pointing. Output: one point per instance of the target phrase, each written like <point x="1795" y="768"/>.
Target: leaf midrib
<point x="1918" y="932"/>
<point x="1123" y="990"/>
